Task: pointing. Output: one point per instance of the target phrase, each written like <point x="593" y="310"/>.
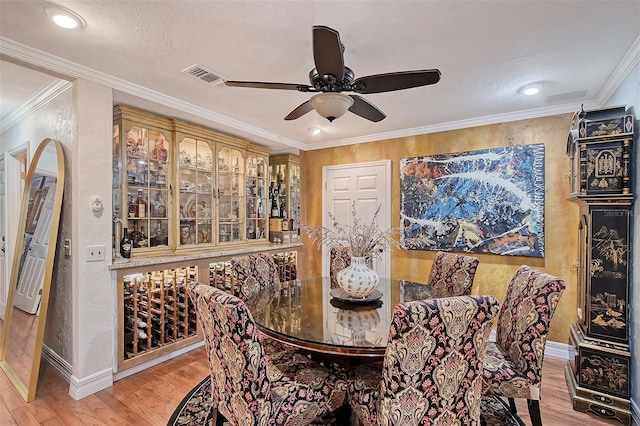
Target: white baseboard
<point x="552" y="349"/>
<point x="557" y="350"/>
<point x="133" y="370"/>
<point x="57" y="362"/>
<point x="80" y="388"/>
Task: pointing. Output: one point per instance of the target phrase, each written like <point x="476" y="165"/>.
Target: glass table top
<point x="303" y="313"/>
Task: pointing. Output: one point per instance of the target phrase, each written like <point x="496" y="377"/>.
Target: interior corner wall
<point x="55" y="120"/>
<point x="495" y="271"/>
<point x="628" y="93"/>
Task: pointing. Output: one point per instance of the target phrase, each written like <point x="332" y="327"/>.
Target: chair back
<point x="453" y="273"/>
<point x="339" y="259"/>
<point x="523" y="325"/>
<point x="240" y="387"/>
<point x="432" y="371"/>
<point x="252" y="274"/>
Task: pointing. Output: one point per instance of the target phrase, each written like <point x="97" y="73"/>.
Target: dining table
<point x="314" y="317"/>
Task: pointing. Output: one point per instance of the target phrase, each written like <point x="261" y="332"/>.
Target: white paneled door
<point x="369" y="185"/>
<point x="29" y="289"/>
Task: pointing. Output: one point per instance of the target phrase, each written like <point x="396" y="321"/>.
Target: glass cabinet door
<point x="284" y="192"/>
<point x="147" y="165"/>
<point x="118" y="216"/>
<point x="256" y="193"/>
<point x="230" y="195"/>
<point x="196" y="191"/>
<point x="294" y="195"/>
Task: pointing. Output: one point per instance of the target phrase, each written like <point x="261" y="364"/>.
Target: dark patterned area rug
<point x="195" y="409"/>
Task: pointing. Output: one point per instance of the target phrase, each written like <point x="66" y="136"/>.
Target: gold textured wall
<point x="494" y="271"/>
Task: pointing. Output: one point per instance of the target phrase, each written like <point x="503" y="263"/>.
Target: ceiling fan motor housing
<point x="328" y="83"/>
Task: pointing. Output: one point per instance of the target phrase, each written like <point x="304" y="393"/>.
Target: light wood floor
<point x="149" y="398"/>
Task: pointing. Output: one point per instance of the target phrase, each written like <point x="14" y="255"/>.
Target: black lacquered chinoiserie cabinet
<point x="598" y="374"/>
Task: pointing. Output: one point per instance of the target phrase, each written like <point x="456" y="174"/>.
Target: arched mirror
<point x="32" y="269"/>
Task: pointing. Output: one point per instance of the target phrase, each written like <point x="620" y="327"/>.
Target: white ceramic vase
<point x="357" y="279"/>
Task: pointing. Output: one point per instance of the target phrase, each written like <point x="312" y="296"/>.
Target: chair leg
<point x="512" y="406"/>
<point x="534" y="412"/>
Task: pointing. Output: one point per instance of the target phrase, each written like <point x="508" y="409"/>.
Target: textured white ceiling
<point x="485" y="50"/>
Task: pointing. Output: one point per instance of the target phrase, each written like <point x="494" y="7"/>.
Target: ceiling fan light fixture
<point x="331" y="105"/>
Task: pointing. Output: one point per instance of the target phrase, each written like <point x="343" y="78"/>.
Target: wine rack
<point x="287" y="265"/>
<point x="221" y="276"/>
<point x="157" y="309"/>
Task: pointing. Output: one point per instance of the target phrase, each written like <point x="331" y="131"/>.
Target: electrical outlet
<point x="95" y="253"/>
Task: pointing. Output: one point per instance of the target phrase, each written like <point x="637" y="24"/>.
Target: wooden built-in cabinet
<point x="155" y="314"/>
<point x="181" y="187"/>
<point x="599" y="372"/>
<point x="190" y="198"/>
<point x="142" y="143"/>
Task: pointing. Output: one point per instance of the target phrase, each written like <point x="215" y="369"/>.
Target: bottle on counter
<point x="125" y="245"/>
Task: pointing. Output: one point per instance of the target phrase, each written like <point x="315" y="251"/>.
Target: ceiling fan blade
<point x="395" y="81"/>
<point x="327" y="52"/>
<point x="301" y="110"/>
<point x="263" y="85"/>
<point x="366" y="109"/>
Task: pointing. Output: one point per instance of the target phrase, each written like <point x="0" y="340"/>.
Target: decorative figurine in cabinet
<point x="599" y="145"/>
<point x="140" y="199"/>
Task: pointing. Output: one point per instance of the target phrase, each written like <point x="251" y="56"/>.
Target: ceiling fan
<point x="331" y="77"/>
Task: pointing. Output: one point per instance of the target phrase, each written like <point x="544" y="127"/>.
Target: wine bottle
<point x="274" y="205"/>
<point x="161" y="208"/>
<point x="125" y="245"/>
<point x="142" y="204"/>
<point x="138" y="323"/>
<point x="141" y="334"/>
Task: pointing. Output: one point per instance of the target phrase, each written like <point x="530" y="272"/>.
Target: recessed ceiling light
<point x="64" y="17"/>
<point x="531" y="89"/>
<point x="315" y="131"/>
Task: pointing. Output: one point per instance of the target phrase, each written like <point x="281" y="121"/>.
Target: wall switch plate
<point x="67" y="248"/>
<point x="95" y="253"/>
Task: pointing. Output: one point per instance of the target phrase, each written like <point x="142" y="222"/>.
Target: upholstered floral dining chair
<point x="248" y="387"/>
<point x="453" y="273"/>
<point x="252" y="274"/>
<point x="513" y="366"/>
<point x="432" y="369"/>
<point x="253" y="277"/>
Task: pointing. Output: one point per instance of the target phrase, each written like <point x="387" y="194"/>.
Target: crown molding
<point x="630" y="60"/>
<point x="61" y="66"/>
<point x="58" y="65"/>
<point x="460" y="124"/>
<point x="44" y="96"/>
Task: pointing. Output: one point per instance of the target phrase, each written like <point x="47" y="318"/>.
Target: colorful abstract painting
<point x="486" y="201"/>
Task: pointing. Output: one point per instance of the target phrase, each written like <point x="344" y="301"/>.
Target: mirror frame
<point x="28" y="390"/>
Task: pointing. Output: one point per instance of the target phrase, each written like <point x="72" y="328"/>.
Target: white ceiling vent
<point x="204" y="74"/>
